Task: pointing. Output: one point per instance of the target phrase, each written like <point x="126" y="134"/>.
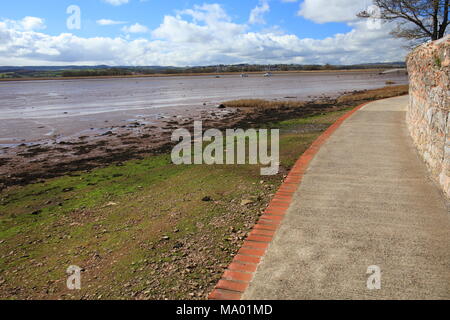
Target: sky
<point x="192" y="32"/>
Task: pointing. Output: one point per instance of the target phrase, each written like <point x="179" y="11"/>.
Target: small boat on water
<point x="268" y="74"/>
<point x="244" y="75"/>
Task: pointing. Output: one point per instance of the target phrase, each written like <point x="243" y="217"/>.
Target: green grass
<point x="111" y="221"/>
<point x="437" y="62"/>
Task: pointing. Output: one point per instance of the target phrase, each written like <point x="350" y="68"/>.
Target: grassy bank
<point x="141" y="229"/>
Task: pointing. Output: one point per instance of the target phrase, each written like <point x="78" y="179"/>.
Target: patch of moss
<point x="437" y="62"/>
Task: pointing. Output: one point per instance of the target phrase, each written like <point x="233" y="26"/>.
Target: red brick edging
<point x="239" y="274"/>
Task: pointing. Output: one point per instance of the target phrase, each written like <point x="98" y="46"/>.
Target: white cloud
<point x="257" y="14"/>
<point x="116" y="2"/>
<point x="32" y="23"/>
<point x="108" y="22"/>
<point x="26" y="24"/>
<point x="322" y="11"/>
<point x="208" y="13"/>
<point x="175" y="29"/>
<point x="210" y="24"/>
<point x="203" y="35"/>
<point x="135" y="28"/>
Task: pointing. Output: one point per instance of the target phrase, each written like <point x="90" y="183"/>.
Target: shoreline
<point x="163" y="75"/>
<point x="26" y="164"/>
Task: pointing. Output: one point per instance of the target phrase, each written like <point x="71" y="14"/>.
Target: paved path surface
<point x="365" y="200"/>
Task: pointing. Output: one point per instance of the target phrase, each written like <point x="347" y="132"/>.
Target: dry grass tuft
<point x="375" y="94"/>
<point x="354" y="97"/>
<point x="263" y="104"/>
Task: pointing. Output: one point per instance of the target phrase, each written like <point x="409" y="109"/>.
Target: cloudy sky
<point x="191" y="32"/>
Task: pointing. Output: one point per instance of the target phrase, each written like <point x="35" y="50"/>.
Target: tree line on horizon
<point x="105" y="71"/>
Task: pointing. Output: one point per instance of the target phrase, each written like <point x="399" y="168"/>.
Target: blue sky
<point x="166" y="32"/>
<point x="150" y="13"/>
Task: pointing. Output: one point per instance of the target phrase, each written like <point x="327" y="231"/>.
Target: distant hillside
<point x="104" y="70"/>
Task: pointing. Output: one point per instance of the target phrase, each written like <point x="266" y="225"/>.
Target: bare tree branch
<point x="417" y="19"/>
<point x="445" y="23"/>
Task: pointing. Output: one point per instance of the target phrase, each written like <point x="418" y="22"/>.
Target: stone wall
<point x="428" y="115"/>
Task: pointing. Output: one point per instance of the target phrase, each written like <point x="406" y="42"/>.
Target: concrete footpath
<point x="365" y="200"/>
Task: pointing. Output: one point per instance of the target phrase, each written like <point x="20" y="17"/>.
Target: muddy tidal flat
<point x="34" y="111"/>
<point x="46" y="123"/>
